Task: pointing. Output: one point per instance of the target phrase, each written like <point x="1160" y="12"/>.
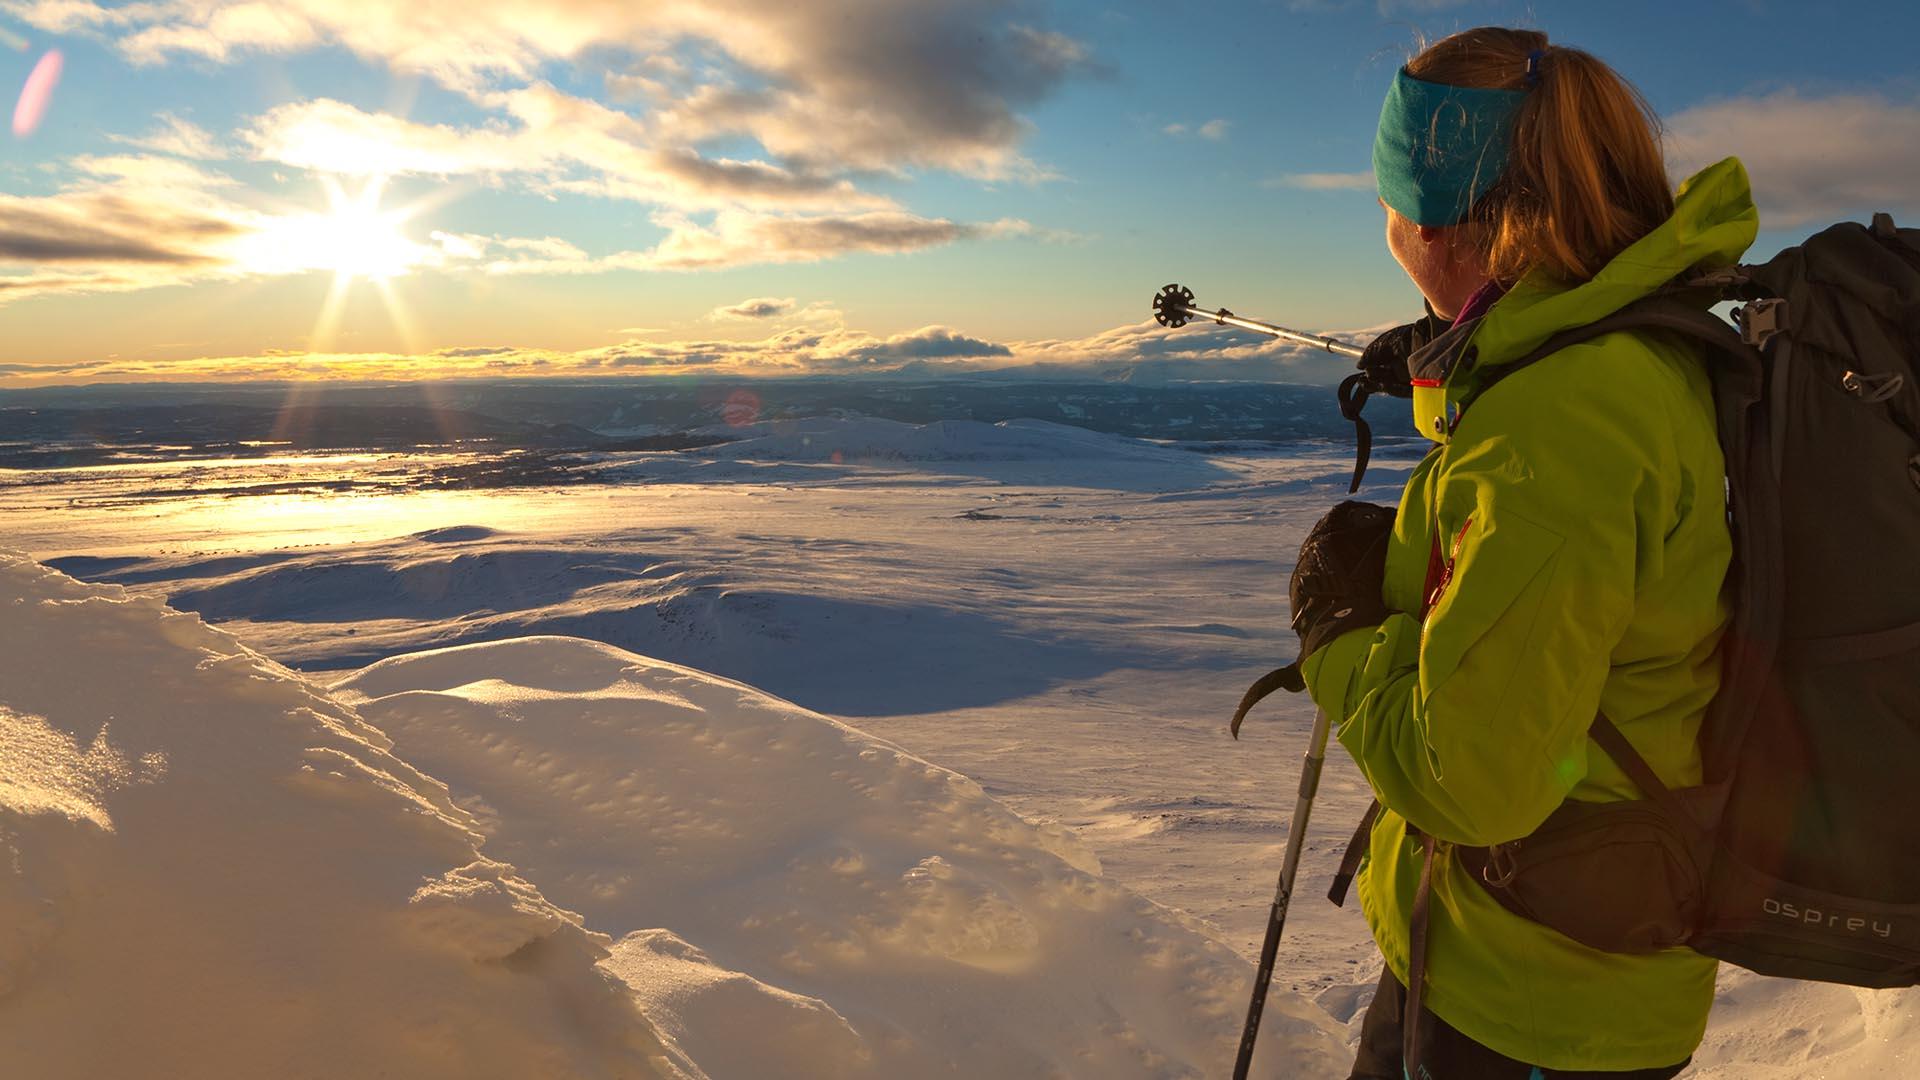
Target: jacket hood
<point x="1713" y="223"/>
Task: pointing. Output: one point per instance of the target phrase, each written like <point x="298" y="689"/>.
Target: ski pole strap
<point x="1350" y="860"/>
<point x="1287" y="678"/>
<point x="1412" y="1019"/>
<point x="1353" y="393"/>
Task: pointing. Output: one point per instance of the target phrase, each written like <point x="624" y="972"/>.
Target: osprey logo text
<point x="1813" y="916"/>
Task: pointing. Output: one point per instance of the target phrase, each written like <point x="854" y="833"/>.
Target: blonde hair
<point x="1585" y="178"/>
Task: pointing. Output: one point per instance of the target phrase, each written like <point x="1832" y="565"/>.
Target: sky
<point x="329" y="189"/>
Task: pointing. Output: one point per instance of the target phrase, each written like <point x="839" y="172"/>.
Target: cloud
<point x="332" y="136"/>
<point x="1144" y="342"/>
<point x="728" y="239"/>
<point x="737" y="238"/>
<point x="811" y="102"/>
<point x="475" y="350"/>
<point x="1324" y="181"/>
<point x="125" y="222"/>
<point x="178" y="137"/>
<point x="1812" y="159"/>
<point x="1197" y="352"/>
<point x="1215" y="129"/>
<point x="557" y="144"/>
<point x="1386" y="8"/>
<point x="134" y="221"/>
<point x="762" y="307"/>
<point x="875" y="87"/>
<point x="101" y="228"/>
<point x="845" y="85"/>
<point x="928" y="342"/>
<point x="151" y="174"/>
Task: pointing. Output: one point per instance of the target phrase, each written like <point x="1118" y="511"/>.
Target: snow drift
<point x="858" y="910"/>
<point x="217" y="868"/>
<point x="214" y="870"/>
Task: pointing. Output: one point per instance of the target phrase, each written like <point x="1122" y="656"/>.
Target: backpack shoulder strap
<point x="1654" y="313"/>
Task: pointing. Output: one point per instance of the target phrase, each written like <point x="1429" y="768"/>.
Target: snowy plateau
<point x="847" y="747"/>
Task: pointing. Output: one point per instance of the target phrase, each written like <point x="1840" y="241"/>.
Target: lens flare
<point x="37" y="94"/>
<point x="13" y="41"/>
<point x="741" y="408"/>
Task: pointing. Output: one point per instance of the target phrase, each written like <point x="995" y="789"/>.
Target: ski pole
<point x="1289" y="867"/>
<point x="1173" y="307"/>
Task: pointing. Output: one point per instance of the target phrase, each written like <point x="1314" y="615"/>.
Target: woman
<point x="1560" y="555"/>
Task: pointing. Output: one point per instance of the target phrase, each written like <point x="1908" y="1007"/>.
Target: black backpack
<point x="1812" y="748"/>
<point x="1799" y="855"/>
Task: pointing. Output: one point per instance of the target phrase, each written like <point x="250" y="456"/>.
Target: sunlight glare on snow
<point x="335" y="518"/>
<point x="42" y="769"/>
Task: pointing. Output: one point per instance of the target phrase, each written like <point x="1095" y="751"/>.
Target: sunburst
<point x="355" y="238"/>
<point x="358" y="239"/>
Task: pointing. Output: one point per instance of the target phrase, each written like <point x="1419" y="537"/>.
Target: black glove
<point x="1384" y="363"/>
<point x="1335" y="588"/>
<point x="1337" y="579"/>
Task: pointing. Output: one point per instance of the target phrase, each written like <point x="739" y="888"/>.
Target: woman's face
<point x="1442" y="266"/>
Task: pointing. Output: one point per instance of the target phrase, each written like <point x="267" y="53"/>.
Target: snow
<point x="876" y="911"/>
<point x="214" y="869"/>
<point x="1062" y="617"/>
<point x="1010" y="451"/>
<point x="419" y="872"/>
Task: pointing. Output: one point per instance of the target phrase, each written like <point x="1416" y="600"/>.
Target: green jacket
<point x="1582" y="510"/>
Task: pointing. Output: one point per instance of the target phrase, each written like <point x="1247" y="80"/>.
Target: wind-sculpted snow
<point x="217" y="868"/>
<point x="213" y="869"/>
<point x="794" y="898"/>
<point x="732" y="606"/>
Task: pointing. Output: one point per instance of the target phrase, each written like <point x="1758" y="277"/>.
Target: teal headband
<point x="1440" y="148"/>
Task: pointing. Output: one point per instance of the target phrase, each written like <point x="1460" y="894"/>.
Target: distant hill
<point x="43" y="437"/>
<point x="553" y="413"/>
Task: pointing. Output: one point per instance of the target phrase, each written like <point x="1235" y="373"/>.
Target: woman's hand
<point x="1337" y="578"/>
<point x="1384" y="363"/>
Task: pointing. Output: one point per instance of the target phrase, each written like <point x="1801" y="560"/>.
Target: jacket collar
<point x="1713" y="223"/>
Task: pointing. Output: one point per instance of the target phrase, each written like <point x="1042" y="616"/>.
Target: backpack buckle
<point x="1760" y="320"/>
<point x="1501" y="867"/>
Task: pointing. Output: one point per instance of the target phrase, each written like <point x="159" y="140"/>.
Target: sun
<point x="356" y="237"/>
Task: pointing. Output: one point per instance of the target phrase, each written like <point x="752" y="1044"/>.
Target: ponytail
<point x="1585" y="177"/>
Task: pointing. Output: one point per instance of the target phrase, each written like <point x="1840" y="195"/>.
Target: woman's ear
<point x="1429" y="233"/>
